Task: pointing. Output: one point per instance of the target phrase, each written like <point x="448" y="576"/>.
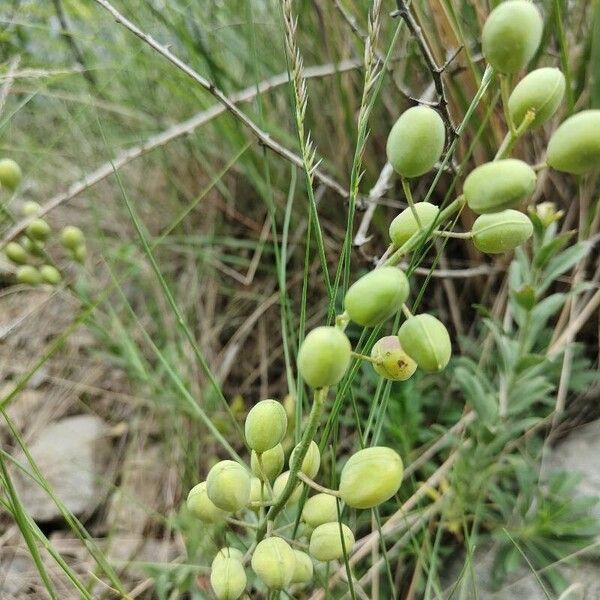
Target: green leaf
<point x="547" y="251"/>
<point x="563" y="262"/>
<point x="484" y="403"/>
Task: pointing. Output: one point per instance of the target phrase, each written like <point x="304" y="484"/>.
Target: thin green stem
<point x="505" y="92"/>
<point x="406" y="311"/>
<point x="465" y="235"/>
<point x="366" y="358"/>
<point x="411" y="203"/>
<point x="316" y="486"/>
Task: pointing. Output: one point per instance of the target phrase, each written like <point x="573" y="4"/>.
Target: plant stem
<point x="316" y="486"/>
<point x="406" y="311"/>
<point x="411" y="203"/>
<point x="365" y="358"/>
<point x="505" y="92"/>
<point x="466" y="235"/>
<point x="309" y="433"/>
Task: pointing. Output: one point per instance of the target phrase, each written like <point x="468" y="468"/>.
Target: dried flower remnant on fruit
<point x="312" y="460"/>
<point x="404" y="226"/>
<point x="427" y="341"/>
<point x="392" y="361"/>
<point x="266" y="425"/>
<point x="10" y="174"/>
<point x="324" y="357"/>
<point x="326" y="541"/>
<point x="271" y="461"/>
<point x="318" y="509"/>
<point x="228" y="579"/>
<point x="511" y="35"/>
<point x="416" y="141"/>
<point x="273" y="561"/>
<point x="501" y="232"/>
<point x="201" y="506"/>
<point x="228" y="486"/>
<point x="376" y="296"/>
<point x="370" y="477"/>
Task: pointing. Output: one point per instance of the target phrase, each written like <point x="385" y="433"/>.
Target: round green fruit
<point x="30" y="208"/>
<point x="318" y="509"/>
<point x="28" y="275"/>
<point x="312" y="460"/>
<point x="326" y="541"/>
<point x="303" y="568"/>
<point x="404" y="226"/>
<point x="228" y="486"/>
<point x="50" y="274"/>
<point x="497" y="185"/>
<point x="427" y="341"/>
<point x="376" y="296"/>
<point x="392" y="361"/>
<point x="279" y="486"/>
<point x="370" y="477"/>
<point x="72" y="237"/>
<point x="227" y="552"/>
<point x="16" y="253"/>
<point x="259" y="492"/>
<point x="272" y="462"/>
<point x="200" y="505"/>
<point x="266" y="425"/>
<point x="273" y="561"/>
<point x="228" y="579"/>
<point x="10" y="174"/>
<point x="541" y="92"/>
<point x="38" y="230"/>
<point x="575" y="145"/>
<point x="324" y="356"/>
<point x="511" y="35"/>
<point x="416" y="141"/>
<point x="79" y="254"/>
<point x="501" y="232"/>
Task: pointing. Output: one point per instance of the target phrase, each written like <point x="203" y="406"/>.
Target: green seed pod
<point x="227" y="552"/>
<point x="394" y="363"/>
<point x="501" y="232"/>
<point x="318" y="509"/>
<point x="228" y="579"/>
<point x="376" y="296"/>
<point x="426" y="340"/>
<point x="416" y="141"/>
<point x="370" y="477"/>
<point x="79" y="254"/>
<point x="273" y="561"/>
<point x="272" y="462"/>
<point x="200" y="505"/>
<point x="72" y="237"/>
<point x="31" y="246"/>
<point x="39" y="230"/>
<point x="16" y="253"/>
<point x="10" y="174"/>
<point x="541" y="91"/>
<point x="326" y="541"/>
<point x="228" y="486"/>
<point x="259" y="492"/>
<point x="28" y="275"/>
<point x="266" y="424"/>
<point x="575" y="146"/>
<point x="30" y="208"/>
<point x="303" y="568"/>
<point x="50" y="274"/>
<point x="405" y="225"/>
<point x="511" y="35"/>
<point x="312" y="460"/>
<point x="280" y="483"/>
<point x="324" y="356"/>
<point x="497" y="185"/>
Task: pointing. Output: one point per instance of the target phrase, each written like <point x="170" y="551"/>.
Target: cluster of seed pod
<point x="28" y="253"/>
<point x="369" y="477"/>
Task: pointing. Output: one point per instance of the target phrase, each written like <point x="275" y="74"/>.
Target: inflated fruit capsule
<point x="370" y="477"/>
<point x="318" y="509"/>
<point x="501" y="232"/>
<point x="427" y="341"/>
<point x="326" y="541"/>
<point x="273" y="561"/>
<point x="228" y="579"/>
<point x="80" y="253"/>
<point x="228" y="486"/>
<point x="38" y="230"/>
<point x="324" y="356"/>
<point x="404" y="226"/>
<point x="511" y="35"/>
<point x="31" y="246"/>
<point x="392" y="361"/>
<point x="376" y="296"/>
<point x="72" y="237"/>
<point x="50" y="274"/>
<point x="10" y="174"/>
<point x="541" y="92"/>
<point x="259" y="493"/>
<point x="416" y="141"/>
<point x="28" y="275"/>
<point x="266" y="425"/>
<point x="303" y="568"/>
<point x="271" y="461"/>
<point x="575" y="146"/>
<point x="312" y="460"/>
<point x="497" y="185"/>
<point x="227" y="552"/>
<point x="16" y="253"/>
<point x="279" y="486"/>
<point x="30" y="208"/>
<point x="200" y="505"/>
